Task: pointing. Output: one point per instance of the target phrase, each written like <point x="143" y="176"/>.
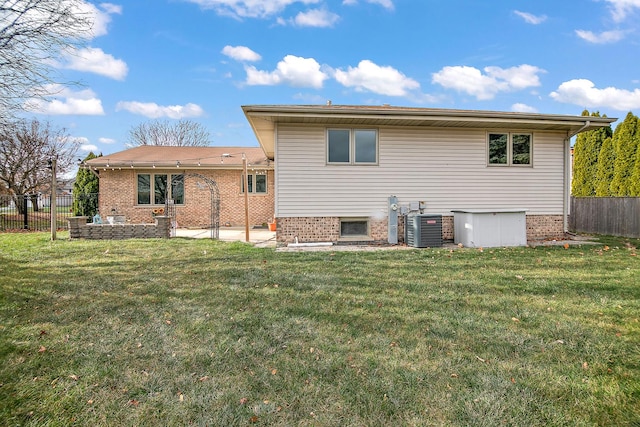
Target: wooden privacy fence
<point x="615" y="216"/>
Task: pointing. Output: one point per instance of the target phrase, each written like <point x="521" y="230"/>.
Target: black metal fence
<point x="616" y="216"/>
<point x="32" y="212"/>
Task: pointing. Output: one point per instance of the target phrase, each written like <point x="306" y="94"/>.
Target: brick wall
<point x="540" y="227"/>
<point x="118" y="195"/>
<point x="327" y="229"/>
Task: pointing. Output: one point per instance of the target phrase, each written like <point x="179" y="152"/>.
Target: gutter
<point x="567" y="176"/>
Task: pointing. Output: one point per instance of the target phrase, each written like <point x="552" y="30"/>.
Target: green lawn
<point x="198" y="332"/>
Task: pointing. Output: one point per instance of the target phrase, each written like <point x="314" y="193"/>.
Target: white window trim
<point x="253" y="186"/>
<point x="510" y="163"/>
<point x="352" y="147"/>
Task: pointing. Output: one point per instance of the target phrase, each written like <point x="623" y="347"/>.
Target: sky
<point x="201" y="60"/>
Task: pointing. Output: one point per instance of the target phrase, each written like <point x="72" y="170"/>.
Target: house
<point x="135" y="184"/>
<point x="337" y="167"/>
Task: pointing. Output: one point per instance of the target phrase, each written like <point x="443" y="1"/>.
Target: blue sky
<point x="202" y="59"/>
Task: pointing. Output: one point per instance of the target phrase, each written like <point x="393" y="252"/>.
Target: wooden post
<point x="52" y="202"/>
<point x="246" y="197"/>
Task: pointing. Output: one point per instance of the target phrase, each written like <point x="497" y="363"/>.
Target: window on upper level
<point x="352" y="146"/>
<point x="509" y="149"/>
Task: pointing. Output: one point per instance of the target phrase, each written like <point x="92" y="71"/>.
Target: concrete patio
<point x="260" y="237"/>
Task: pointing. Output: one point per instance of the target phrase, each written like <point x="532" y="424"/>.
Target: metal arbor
<point x="203" y="182"/>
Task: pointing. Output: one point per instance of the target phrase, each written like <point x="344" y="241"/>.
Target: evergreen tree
<point x="625" y="143"/>
<point x="604" y="174"/>
<point x="585" y="159"/>
<point x="634" y="186"/>
<point x="85" y="191"/>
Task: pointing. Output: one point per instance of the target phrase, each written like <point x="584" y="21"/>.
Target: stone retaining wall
<point x="80" y="229"/>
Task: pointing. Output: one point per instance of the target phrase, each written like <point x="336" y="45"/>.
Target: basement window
<point x="354" y="228"/>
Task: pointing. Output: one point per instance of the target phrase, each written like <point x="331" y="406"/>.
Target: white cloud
<point x="292" y="70"/>
<point x="111" y="8"/>
<point x="155" y="111"/>
<point x="383" y="80"/>
<point x="106" y="140"/>
<point x="241" y="53"/>
<point x="319" y="18"/>
<point x="249" y="8"/>
<point x="94" y="60"/>
<point x="523" y="108"/>
<point x="100" y="17"/>
<point x="602" y="38"/>
<point x="530" y="18"/>
<point x="472" y="81"/>
<point x="620" y="9"/>
<point x="583" y="92"/>
<point x="87" y="147"/>
<point x="387" y="4"/>
<point x="64" y="101"/>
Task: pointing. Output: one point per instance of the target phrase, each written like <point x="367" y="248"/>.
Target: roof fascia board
<point x="479" y="117"/>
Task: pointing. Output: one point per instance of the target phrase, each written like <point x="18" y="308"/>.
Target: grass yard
<point x="205" y="333"/>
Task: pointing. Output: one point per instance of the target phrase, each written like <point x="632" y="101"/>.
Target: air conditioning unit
<point x="423" y="230"/>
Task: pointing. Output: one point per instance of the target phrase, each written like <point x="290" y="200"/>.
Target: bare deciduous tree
<point x="180" y="134"/>
<point x="33" y="33"/>
<point x="26" y="147"/>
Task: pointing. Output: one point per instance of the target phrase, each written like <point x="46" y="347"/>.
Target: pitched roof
<point x="150" y="156"/>
<point x="263" y="119"/>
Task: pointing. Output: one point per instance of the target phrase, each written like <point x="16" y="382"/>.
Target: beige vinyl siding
<point x="446" y="168"/>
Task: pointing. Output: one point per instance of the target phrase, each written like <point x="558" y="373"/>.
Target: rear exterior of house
<point x="134" y="184"/>
<point x="337" y="167"/>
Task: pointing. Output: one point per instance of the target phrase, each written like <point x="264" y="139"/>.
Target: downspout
<point x="567" y="175"/>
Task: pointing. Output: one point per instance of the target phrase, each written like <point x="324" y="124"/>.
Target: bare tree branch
<point x="25" y="150"/>
<point x="180" y="134"/>
<point x="33" y="33"/>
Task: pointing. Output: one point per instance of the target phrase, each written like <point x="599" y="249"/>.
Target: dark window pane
<point x="498" y="148"/>
<point x="338" y="146"/>
<point x="366" y="143"/>
<point x="521" y="149"/>
<point x="261" y="183"/>
<point x="144" y="189"/>
<point x="249" y="180"/>
<point x="353" y="228"/>
<point x="177" y="189"/>
<point x="159" y="189"/>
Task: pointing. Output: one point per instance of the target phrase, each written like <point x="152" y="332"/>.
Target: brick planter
<point x="80" y="229"/>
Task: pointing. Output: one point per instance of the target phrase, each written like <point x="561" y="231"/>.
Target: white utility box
<point x="476" y="228"/>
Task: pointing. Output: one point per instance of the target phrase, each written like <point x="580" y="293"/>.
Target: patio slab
<point x="260" y="237"/>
